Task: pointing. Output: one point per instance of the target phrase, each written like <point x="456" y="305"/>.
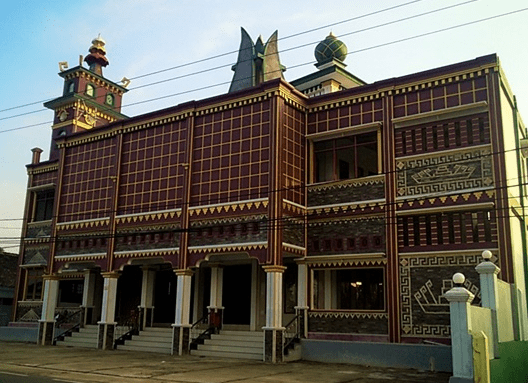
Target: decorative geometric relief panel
<point x="445" y="173"/>
<point x="424" y="281"/>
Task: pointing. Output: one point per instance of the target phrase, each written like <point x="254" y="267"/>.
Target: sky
<point x="177" y="51"/>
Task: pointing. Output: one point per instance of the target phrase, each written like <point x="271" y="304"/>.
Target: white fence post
<point x="461" y="341"/>
<point x="488" y="289"/>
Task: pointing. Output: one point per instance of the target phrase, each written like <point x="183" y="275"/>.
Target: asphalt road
<point x="29" y="363"/>
<point x="12" y="377"/>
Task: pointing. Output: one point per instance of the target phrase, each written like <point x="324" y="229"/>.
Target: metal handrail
<point x="126" y="336"/>
<point x="132" y="322"/>
<point x="65" y="319"/>
<point x="201" y="320"/>
<point x="289" y="340"/>
<point x="68" y="332"/>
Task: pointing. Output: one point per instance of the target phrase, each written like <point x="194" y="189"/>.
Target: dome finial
<point x="330" y="49"/>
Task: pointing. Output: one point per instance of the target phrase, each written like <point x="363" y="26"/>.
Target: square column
<point x="88" y="302"/>
<point x="107" y="324"/>
<point x="461" y="341"/>
<point x="274" y="332"/>
<point x="216" y="310"/>
<point x="181" y="329"/>
<point x="46" y="331"/>
<point x="489" y="295"/>
<point x="301" y="310"/>
<point x="146" y="308"/>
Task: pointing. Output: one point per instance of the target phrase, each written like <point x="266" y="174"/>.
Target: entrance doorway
<point x="165" y="296"/>
<point x="236" y="294"/>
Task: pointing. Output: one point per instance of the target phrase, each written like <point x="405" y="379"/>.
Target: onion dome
<point x="329" y="49"/>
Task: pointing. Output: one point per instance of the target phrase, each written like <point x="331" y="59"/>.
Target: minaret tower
<point x="89" y="100"/>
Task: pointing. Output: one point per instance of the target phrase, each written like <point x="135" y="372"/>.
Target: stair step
<point x="157" y="330"/>
<point x="255" y="334"/>
<point x="153" y="337"/>
<point x="230" y="342"/>
<point x="148" y="342"/>
<point x="160" y="350"/>
<point x="238" y="338"/>
<point x="79" y="335"/>
<point x="229" y="349"/>
<point x="223" y="354"/>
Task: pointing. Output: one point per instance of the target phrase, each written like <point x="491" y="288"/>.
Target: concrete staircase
<point x="152" y="339"/>
<point x="86" y="337"/>
<point x="233" y="344"/>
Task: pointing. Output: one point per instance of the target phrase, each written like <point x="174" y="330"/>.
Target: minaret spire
<point x="97" y="57"/>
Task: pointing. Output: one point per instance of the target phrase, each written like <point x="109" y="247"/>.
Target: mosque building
<point x="275" y="215"/>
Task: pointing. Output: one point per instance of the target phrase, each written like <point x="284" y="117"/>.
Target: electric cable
<point x="108" y="108"/>
<point x="233" y="52"/>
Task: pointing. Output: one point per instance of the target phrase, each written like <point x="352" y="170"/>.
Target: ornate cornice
<point x="148" y="217"/>
<point x="355" y="182"/>
<point x="363" y="259"/>
<point x="236" y="207"/>
<point x="43" y="169"/>
<point x="364" y="207"/>
<point x="147" y="253"/>
<point x="80" y="257"/>
<point x="410" y="86"/>
<point x="83" y="224"/>
<point x="348" y="315"/>
<point x="234" y="247"/>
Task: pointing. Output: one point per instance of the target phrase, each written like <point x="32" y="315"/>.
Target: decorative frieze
<point x="424" y="280"/>
<point x="448" y="172"/>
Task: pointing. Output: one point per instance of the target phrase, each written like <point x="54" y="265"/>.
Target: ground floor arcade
<point x="230" y="292"/>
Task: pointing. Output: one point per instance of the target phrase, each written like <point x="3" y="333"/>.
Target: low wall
<point x="418" y="356"/>
<point x="19" y="334"/>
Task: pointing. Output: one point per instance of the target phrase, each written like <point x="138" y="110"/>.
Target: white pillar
<point x="274" y="332"/>
<point x="181" y="327"/>
<point x="183" y="297"/>
<point x="217" y="280"/>
<point x="146" y="307"/>
<point x="88" y="302"/>
<point x="328" y="289"/>
<point x="302" y="299"/>
<point x="47" y="320"/>
<point x="107" y="323"/>
<point x="255" y="307"/>
<point x="461" y="341"/>
<point x="216" y="310"/>
<point x="274" y="298"/>
<point x="489" y="295"/>
<point x="51" y="295"/>
<point x="302" y="285"/>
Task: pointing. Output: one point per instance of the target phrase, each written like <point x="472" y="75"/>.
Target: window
<point x="71" y="87"/>
<point x="346" y="157"/>
<point x="71" y="291"/>
<point x="348" y="289"/>
<point x="90" y="90"/>
<point x="109" y="99"/>
<point x="33" y="286"/>
<point x="44" y="205"/>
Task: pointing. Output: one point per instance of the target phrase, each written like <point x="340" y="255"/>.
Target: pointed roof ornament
<point x="257" y="62"/>
<point x="97" y="58"/>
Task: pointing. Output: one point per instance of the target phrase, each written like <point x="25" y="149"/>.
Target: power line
<point x="233" y="52"/>
<point x="295" y="66"/>
<point x="282" y="51"/>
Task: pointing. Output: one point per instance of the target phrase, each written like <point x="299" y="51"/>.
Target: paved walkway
<point x="84" y="365"/>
